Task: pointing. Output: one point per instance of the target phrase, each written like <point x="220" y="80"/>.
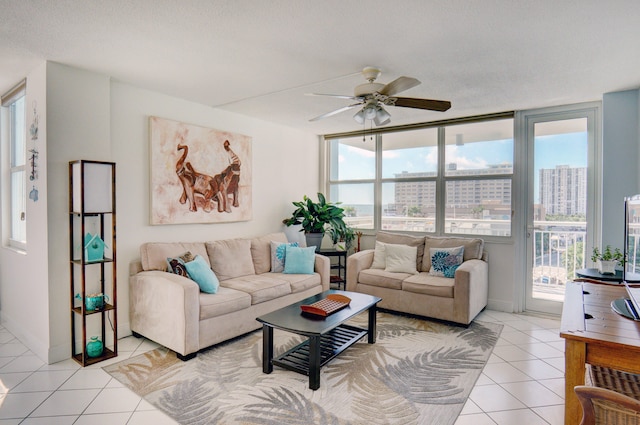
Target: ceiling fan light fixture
<point x="382" y="116"/>
<point x="359" y="116"/>
<point x="370" y="112"/>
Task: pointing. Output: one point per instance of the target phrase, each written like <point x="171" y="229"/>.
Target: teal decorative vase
<point x="94" y="347"/>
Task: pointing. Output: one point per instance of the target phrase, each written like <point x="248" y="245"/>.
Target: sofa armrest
<point x="323" y="268"/>
<point x="165" y="308"/>
<point x="355" y="264"/>
<point x="471" y="289"/>
<point x="135" y="267"/>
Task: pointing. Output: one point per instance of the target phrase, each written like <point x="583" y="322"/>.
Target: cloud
<point x="464" y="163"/>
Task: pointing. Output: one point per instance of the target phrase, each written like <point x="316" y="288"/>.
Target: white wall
<point x="620" y="156"/>
<point x="78" y="128"/>
<point x="24" y="296"/>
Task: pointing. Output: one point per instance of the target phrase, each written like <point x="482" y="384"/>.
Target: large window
<point x="14" y="137"/>
<point x="452" y="178"/>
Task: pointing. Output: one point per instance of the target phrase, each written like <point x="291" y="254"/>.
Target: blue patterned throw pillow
<point x="445" y="261"/>
<point x="278" y="255"/>
<point x="176" y="265"/>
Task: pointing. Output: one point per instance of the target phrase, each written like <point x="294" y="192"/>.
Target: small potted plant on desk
<point x="315" y="217"/>
<point x="608" y="259"/>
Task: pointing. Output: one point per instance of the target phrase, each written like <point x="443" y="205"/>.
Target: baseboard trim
<point x="500" y="305"/>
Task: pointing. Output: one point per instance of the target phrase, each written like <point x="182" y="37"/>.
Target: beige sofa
<point x="457" y="299"/>
<point x="172" y="311"/>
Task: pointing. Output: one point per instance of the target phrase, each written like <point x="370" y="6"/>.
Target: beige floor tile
<point x="533" y="394"/>
<point x="521" y="416"/>
<point x="492" y="398"/>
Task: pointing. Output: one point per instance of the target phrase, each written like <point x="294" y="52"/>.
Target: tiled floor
<point x="522" y="382"/>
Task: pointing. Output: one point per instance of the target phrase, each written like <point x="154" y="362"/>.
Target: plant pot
<point x="314" y="239"/>
<point x="340" y="246"/>
<point x="607" y="267"/>
<point x="294" y="234"/>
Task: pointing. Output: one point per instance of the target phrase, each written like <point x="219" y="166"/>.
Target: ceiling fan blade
<point x="398" y="85"/>
<point x="339" y="96"/>
<point x="337" y="111"/>
<point x="430" y="104"/>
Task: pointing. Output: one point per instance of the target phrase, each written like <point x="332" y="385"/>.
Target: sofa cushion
<point x="200" y="272"/>
<point x="399" y="239"/>
<point x="299" y="260"/>
<point x="400" y="258"/>
<point x="472" y="248"/>
<point x="424" y="283"/>
<point x="278" y="255"/>
<point x="261" y="251"/>
<point x="153" y="255"/>
<point x="445" y="261"/>
<point x="225" y="301"/>
<point x="377" y="277"/>
<point x="300" y="282"/>
<point x="261" y="288"/>
<point x="230" y="258"/>
<point x="379" y="256"/>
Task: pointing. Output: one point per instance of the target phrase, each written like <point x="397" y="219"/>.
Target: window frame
<point x="440" y="179"/>
<point x="8" y="104"/>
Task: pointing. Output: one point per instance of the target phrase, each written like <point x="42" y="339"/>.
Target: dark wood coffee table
<point x="328" y="336"/>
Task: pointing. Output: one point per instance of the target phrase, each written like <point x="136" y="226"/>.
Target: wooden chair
<point x="601" y="406"/>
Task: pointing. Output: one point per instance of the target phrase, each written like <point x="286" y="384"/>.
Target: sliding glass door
<point x="560" y="196"/>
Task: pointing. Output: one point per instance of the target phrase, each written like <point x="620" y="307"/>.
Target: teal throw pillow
<point x="200" y="272"/>
<point x="299" y="260"/>
<point x="445" y="261"/>
<point x="278" y="255"/>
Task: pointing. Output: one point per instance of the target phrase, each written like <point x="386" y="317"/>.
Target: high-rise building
<point x="563" y="190"/>
<point x="466" y="196"/>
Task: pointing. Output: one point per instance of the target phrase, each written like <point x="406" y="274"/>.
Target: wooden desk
<point x="596" y="335"/>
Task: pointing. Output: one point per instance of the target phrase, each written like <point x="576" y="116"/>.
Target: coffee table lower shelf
<point x="331" y="344"/>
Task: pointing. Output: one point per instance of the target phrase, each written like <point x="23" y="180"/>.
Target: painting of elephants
<point x="198" y="174"/>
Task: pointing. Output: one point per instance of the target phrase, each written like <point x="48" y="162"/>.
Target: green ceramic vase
<point x="94" y="347"/>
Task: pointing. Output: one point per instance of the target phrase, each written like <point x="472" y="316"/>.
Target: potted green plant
<point x="342" y="238"/>
<point x="608" y="259"/>
<point x="316" y="217"/>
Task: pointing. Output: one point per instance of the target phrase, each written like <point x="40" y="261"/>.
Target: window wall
<point x="446" y="178"/>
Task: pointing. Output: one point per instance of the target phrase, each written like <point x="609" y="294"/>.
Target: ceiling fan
<point x="371" y="97"/>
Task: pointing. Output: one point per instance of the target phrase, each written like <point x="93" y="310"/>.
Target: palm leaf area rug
<point x="417" y="372"/>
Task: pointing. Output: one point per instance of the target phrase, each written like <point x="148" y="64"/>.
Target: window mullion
<point x="440" y="183"/>
<point x="377" y="195"/>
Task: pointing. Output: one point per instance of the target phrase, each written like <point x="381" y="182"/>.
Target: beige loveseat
<point x="172" y="311"/>
<point x="458" y="299"/>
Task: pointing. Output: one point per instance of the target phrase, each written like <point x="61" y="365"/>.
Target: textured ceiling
<point x="259" y="58"/>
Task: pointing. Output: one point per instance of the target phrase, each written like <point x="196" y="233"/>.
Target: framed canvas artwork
<point x="198" y="174"/>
